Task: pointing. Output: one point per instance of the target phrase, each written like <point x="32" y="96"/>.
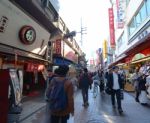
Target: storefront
<point x="23" y="45"/>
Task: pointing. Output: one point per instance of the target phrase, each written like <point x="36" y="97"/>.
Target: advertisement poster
<point x="4" y="102"/>
<point x="16" y="85"/>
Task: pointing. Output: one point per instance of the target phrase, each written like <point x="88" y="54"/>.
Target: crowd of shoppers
<point x="111" y="81"/>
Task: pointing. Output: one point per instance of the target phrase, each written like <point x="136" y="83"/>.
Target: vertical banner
<point x="58" y="47"/>
<point x="120" y="4"/>
<point x="4" y="102"/>
<point x="111" y="27"/>
<point x="105" y="49"/>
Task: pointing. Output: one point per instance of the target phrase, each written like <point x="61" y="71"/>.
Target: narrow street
<point x="100" y="111"/>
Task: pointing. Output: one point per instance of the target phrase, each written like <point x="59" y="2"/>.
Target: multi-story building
<point x="133" y="36"/>
<point x="28" y="30"/>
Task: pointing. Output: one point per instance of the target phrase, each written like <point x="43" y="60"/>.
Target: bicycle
<point x="95" y="88"/>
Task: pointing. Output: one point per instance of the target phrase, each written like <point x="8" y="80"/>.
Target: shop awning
<point x="119" y="60"/>
<point x="147" y="58"/>
<point x="61" y="61"/>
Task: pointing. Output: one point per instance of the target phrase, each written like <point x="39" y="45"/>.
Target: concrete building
<point x="133" y="36"/>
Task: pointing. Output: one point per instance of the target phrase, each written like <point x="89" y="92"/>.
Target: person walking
<point x="60" y="95"/>
<point x="142" y="89"/>
<point x="85" y="82"/>
<point x="135" y="79"/>
<point x="115" y="83"/>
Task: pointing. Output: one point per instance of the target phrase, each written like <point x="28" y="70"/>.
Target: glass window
<point x="138" y="19"/>
<point x="132" y="27"/>
<point x="143" y="12"/>
<point x="148" y="7"/>
<point x="127" y="2"/>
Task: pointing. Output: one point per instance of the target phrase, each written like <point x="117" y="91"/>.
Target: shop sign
<point x="27" y="35"/>
<point x="3" y="23"/>
<point x="120" y="4"/>
<point x="111" y="27"/>
<point x="143" y="34"/>
<point x="32" y="67"/>
<point x="58" y="47"/>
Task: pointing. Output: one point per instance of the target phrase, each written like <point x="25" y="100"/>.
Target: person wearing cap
<point x="115" y="83"/>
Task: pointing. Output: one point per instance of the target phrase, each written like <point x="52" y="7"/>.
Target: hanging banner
<point x="58" y="47"/>
<point x="111" y="27"/>
<point x="120" y="4"/>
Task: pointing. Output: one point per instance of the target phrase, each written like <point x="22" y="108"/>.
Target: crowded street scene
<point x="74" y="61"/>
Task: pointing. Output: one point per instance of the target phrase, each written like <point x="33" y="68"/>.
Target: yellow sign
<point x="105" y="49"/>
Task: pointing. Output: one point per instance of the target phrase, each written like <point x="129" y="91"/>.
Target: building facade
<point x="133" y="37"/>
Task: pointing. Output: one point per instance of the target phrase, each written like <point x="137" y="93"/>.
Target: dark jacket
<point x="85" y="81"/>
<point x="111" y="81"/>
<point x="142" y="82"/>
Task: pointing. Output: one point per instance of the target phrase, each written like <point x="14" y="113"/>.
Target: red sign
<point x="32" y="67"/>
<point x="111" y="27"/>
<point x="58" y="47"/>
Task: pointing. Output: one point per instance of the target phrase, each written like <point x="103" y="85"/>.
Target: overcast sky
<point x="94" y="14"/>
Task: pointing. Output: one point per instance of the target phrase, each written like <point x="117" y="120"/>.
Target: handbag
<point x="108" y="90"/>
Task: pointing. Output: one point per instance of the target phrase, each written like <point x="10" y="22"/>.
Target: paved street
<point x="100" y="111"/>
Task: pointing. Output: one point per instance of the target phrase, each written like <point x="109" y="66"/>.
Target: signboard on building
<point x="111" y="27"/>
<point x="58" y="47"/>
<point x="120" y="4"/>
<point x="69" y="53"/>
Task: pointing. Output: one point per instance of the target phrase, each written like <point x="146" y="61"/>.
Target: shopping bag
<point x="108" y="90"/>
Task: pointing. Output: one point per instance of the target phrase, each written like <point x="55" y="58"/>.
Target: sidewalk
<point x="32" y="105"/>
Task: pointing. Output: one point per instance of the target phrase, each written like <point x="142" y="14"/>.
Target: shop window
<point x="132" y="26"/>
<point x="138" y="19"/>
<point x="143" y="12"/>
<point x="148" y="7"/>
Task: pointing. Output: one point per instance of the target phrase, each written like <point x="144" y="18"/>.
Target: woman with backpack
<point x="60" y="94"/>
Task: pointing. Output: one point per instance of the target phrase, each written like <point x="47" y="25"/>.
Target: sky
<point x="94" y="14"/>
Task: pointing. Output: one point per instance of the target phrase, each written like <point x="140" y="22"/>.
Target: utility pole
<point x="82" y="32"/>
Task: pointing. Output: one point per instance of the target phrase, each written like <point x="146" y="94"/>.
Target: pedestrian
<point x="100" y="78"/>
<point x="135" y="79"/>
<point x="142" y="89"/>
<point x="115" y="83"/>
<point x="148" y="84"/>
<point x="102" y="84"/>
<point x="60" y="95"/>
<point x="85" y="82"/>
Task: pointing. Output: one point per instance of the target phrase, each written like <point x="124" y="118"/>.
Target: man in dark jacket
<point x="116" y="84"/>
<point x="85" y="82"/>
